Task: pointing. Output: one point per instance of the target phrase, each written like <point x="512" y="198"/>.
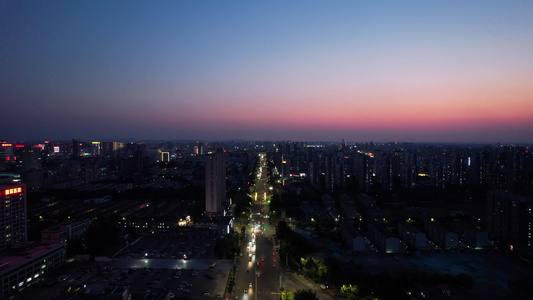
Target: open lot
<point x="173" y="248"/>
<point x="181" y="282"/>
<point x="152" y="264"/>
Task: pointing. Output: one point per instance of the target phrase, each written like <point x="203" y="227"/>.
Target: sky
<point x="406" y="71"/>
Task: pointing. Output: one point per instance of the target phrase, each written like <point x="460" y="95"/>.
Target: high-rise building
<point x="31" y="158"/>
<point x="479" y="163"/>
<point x="22" y="263"/>
<point x="12" y="215"/>
<point x="363" y="171"/>
<point x="95" y="148"/>
<point x="215" y="181"/>
<point x="165" y="156"/>
<point x="199" y="149"/>
<point x="117" y="146"/>
<point x="285" y="166"/>
<point x="408" y="176"/>
<point x="383" y="169"/>
<point x="510" y="220"/>
<point x="6" y="154"/>
<point x="330" y="180"/>
<point x="76" y="149"/>
<point x="439" y="174"/>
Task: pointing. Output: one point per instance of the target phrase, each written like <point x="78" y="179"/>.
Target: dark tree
<point x="305" y="295"/>
<point x="102" y="236"/>
<point x="283" y="230"/>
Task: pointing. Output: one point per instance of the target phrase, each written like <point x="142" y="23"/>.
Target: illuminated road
<point x="264" y="260"/>
<point x="258" y="275"/>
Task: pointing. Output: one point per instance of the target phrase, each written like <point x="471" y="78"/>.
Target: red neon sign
<point x="19" y="146"/>
<point x="12" y="191"/>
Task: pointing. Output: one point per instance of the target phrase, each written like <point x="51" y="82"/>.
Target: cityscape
<point x="277" y="150"/>
<point x="265" y="220"/>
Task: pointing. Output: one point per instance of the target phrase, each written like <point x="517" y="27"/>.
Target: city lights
<point x="12" y="191"/>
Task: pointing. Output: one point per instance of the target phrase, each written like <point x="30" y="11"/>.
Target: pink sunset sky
<point x="439" y="71"/>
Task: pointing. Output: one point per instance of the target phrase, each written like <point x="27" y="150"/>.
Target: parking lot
<point x="181" y="282"/>
<point x="187" y="267"/>
<point x="174" y="248"/>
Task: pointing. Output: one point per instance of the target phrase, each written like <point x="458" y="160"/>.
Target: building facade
<point x="22" y="263"/>
<point x="510" y="220"/>
<point x="13" y="215"/>
<point x="215" y="181"/>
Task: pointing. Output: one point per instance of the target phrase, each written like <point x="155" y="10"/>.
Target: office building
<point x="215" y="181"/>
<point x="22" y="263"/>
<point x="12" y="215"/>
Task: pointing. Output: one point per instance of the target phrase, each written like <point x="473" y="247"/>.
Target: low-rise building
<point x="352" y="240"/>
<point x="470" y="234"/>
<point x="26" y="264"/>
<point x="60" y="233"/>
<point x="440" y="235"/>
<point x="412" y="236"/>
<point x="383" y="238"/>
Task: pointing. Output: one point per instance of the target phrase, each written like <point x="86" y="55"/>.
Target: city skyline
<point x="437" y="72"/>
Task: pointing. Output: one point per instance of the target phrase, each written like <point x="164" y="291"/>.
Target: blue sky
<point x="420" y="71"/>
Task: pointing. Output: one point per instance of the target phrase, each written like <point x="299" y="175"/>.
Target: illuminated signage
<point x="7" y="145"/>
<point x="12" y="191"/>
<point x="56" y="149"/>
<point x="19" y="146"/>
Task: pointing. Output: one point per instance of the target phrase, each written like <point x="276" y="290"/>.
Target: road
<point x="258" y="272"/>
<point x="261" y="275"/>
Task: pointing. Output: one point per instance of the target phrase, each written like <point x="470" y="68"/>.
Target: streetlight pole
<point x="280" y="285"/>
